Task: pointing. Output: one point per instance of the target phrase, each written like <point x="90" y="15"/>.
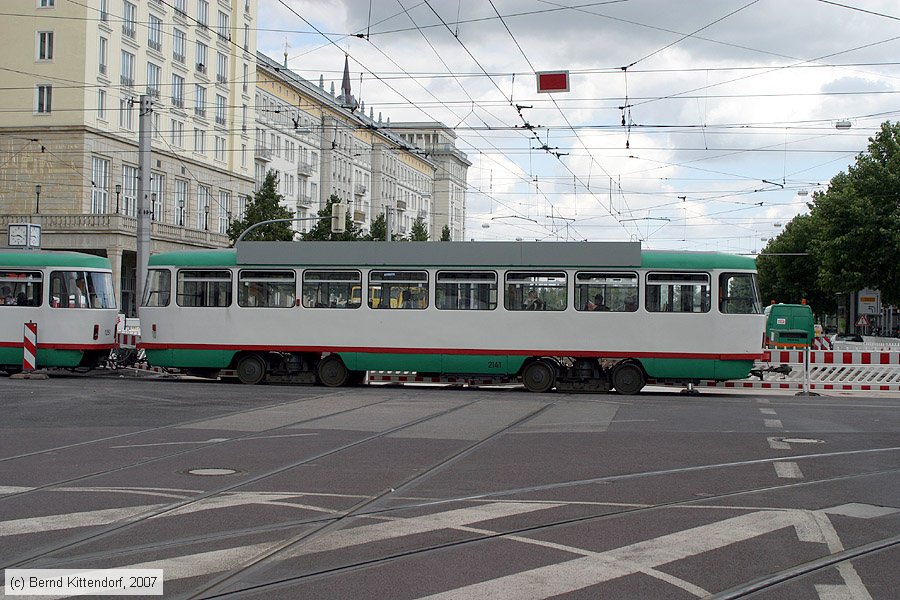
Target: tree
<point x="789" y="273"/>
<point x="321" y="231"/>
<point x="858" y="234"/>
<point x="378" y="229"/>
<point x="264" y="206"/>
<point x="445" y="233"/>
<point x="418" y="231"/>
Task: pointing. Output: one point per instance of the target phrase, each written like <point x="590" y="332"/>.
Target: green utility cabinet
<point x="789" y="326"/>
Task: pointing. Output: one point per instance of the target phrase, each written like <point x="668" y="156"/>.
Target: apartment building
<point x="438" y="143"/>
<point x="352" y="156"/>
<point x="69" y="131"/>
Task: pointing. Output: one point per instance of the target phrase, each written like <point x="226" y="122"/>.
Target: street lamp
<point x="153" y="206"/>
<point x="118" y="191"/>
<point x="37" y="206"/>
<point x="206" y="217"/>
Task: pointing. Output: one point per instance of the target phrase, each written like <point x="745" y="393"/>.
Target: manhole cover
<point x="802" y="441"/>
<point x="211" y="472"/>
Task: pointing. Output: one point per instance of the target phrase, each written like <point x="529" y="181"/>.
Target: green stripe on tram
<point x="52" y="259"/>
<point x="47" y="357"/>
<point x="696" y="368"/>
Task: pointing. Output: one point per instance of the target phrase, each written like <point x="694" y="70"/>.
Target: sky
<point x="689" y="124"/>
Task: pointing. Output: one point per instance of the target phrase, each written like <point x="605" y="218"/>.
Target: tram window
<point x="614" y="292"/>
<point x="678" y="292"/>
<point x="332" y="289"/>
<point x="739" y="294"/>
<point x="466" y="290"/>
<point x="81" y="289"/>
<point x="266" y="289"/>
<point x="21" y="288"/>
<point x="158" y="289"/>
<point x="398" y="289"/>
<point x="535" y="291"/>
<point x="204" y="288"/>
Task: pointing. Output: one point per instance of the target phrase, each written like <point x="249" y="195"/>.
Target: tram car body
<point x="69" y="296"/>
<point x="583" y="316"/>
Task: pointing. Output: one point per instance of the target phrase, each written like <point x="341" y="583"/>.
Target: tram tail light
<point x="96" y="332"/>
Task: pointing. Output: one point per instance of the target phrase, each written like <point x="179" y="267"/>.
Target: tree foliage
<point x="419" y="231"/>
<point x="851" y="235"/>
<point x="264" y="206"/>
<point x="378" y="229"/>
<point x="322" y="228"/>
<point x="445" y="233"/>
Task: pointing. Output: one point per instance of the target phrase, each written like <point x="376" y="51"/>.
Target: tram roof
<point x="453" y="254"/>
<point x="51" y="258"/>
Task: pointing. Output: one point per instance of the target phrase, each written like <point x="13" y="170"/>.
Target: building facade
<point x="71" y="124"/>
<point x="438" y="142"/>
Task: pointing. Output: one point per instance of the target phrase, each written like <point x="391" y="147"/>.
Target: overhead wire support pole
<point x="144" y="207"/>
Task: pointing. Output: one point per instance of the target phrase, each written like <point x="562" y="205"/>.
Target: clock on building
<point x="24" y="235"/>
<point x="34" y="236"/>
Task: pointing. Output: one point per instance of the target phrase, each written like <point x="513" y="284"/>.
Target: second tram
<point x="577" y="316"/>
<point x="71" y="298"/>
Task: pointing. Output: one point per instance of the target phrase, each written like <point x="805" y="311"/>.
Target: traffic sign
<point x="862" y="321"/>
<point x="552" y="81"/>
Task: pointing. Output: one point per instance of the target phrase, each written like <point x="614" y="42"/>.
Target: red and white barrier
<point x="127" y="340"/>
<point x="29" y="347"/>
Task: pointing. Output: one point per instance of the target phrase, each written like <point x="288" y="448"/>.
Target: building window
<point x="130" y="189"/>
<point x="222" y="29"/>
<point x="242" y="206"/>
<point x="101" y="51"/>
<point x="201" y="57"/>
<point x="101" y="104"/>
<point x="220" y="149"/>
<point x="245" y="78"/>
<point x="221" y="68"/>
<point x="180" y="201"/>
<point x="46" y="3"/>
<point x="129" y="18"/>
<point x="246" y="37"/>
<point x="199" y="100"/>
<point x="104" y="11"/>
<point x="179" y="45"/>
<point x="244" y="155"/>
<point x="177" y="91"/>
<point x="224" y="209"/>
<point x="127" y="78"/>
<point x="157" y="190"/>
<point x="154" y="38"/>
<point x="44" y="99"/>
<point x="199" y="141"/>
<point x="220" y="110"/>
<point x="45" y="45"/>
<point x="177" y="134"/>
<point x="154" y="72"/>
<point x="100" y="187"/>
<point x="203" y="13"/>
<point x="181" y="8"/>
<point x="203" y="207"/>
<point x="126" y="115"/>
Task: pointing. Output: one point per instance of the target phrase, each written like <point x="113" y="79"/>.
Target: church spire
<point x="347" y="99"/>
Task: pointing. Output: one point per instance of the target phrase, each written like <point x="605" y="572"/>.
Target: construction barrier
<point x="29" y="347"/>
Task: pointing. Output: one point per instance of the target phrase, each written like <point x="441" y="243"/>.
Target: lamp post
<point x="206" y="217"/>
<point x="153" y="206"/>
<point x="37" y="205"/>
<point x="118" y="191"/>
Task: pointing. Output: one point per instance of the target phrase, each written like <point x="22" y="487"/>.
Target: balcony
<point x="304" y="200"/>
<point x="401" y="204"/>
<point x="359" y="216"/>
<point x="154" y="45"/>
<point x="153" y="92"/>
<point x="359" y="189"/>
<point x="305" y="169"/>
<point x="263" y="154"/>
<point x="201" y="68"/>
<point x="179" y="58"/>
<point x="220" y="120"/>
<point x="128" y="30"/>
<point x="126" y="81"/>
<point x="178" y="103"/>
<point x="222" y="79"/>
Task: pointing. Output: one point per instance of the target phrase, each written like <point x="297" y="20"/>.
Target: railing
<point x="117" y="223"/>
<point x="359" y="189"/>
<point x="359" y="216"/>
<point x="264" y="154"/>
<point x="155" y="45"/>
<point x="305" y="168"/>
<point x="304" y="200"/>
<point x="401" y="204"/>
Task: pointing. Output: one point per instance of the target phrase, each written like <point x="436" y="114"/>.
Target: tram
<point x="71" y="298"/>
<point x="573" y="316"/>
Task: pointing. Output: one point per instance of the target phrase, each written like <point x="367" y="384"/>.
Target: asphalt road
<point x="414" y="492"/>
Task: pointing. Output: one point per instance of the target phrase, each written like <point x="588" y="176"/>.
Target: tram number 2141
<point x="495" y="365"/>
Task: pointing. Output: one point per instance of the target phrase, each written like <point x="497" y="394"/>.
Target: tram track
<point x="364" y="509"/>
<point x="168" y="508"/>
<point x="200" y="448"/>
<point x="738" y="592"/>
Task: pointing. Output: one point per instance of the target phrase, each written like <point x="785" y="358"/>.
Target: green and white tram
<point x="71" y="298"/>
<point x="582" y="316"/>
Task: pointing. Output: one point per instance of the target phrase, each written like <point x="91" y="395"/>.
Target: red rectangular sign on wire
<point x="552" y="81"/>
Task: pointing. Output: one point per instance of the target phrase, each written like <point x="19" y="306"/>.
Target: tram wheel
<point x="332" y="372"/>
<point x="538" y="377"/>
<point x="628" y="378"/>
<point x="251" y="369"/>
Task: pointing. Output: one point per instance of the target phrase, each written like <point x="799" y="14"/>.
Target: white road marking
<point x="775" y="423"/>
<point x="764" y="401"/>
<point x="13" y="489"/>
<point x="414" y="525"/>
<point x="861" y="511"/>
<point x="71" y="520"/>
<point x="643" y="557"/>
<point x="778" y="444"/>
<point x="767" y="411"/>
<point x="787" y="470"/>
